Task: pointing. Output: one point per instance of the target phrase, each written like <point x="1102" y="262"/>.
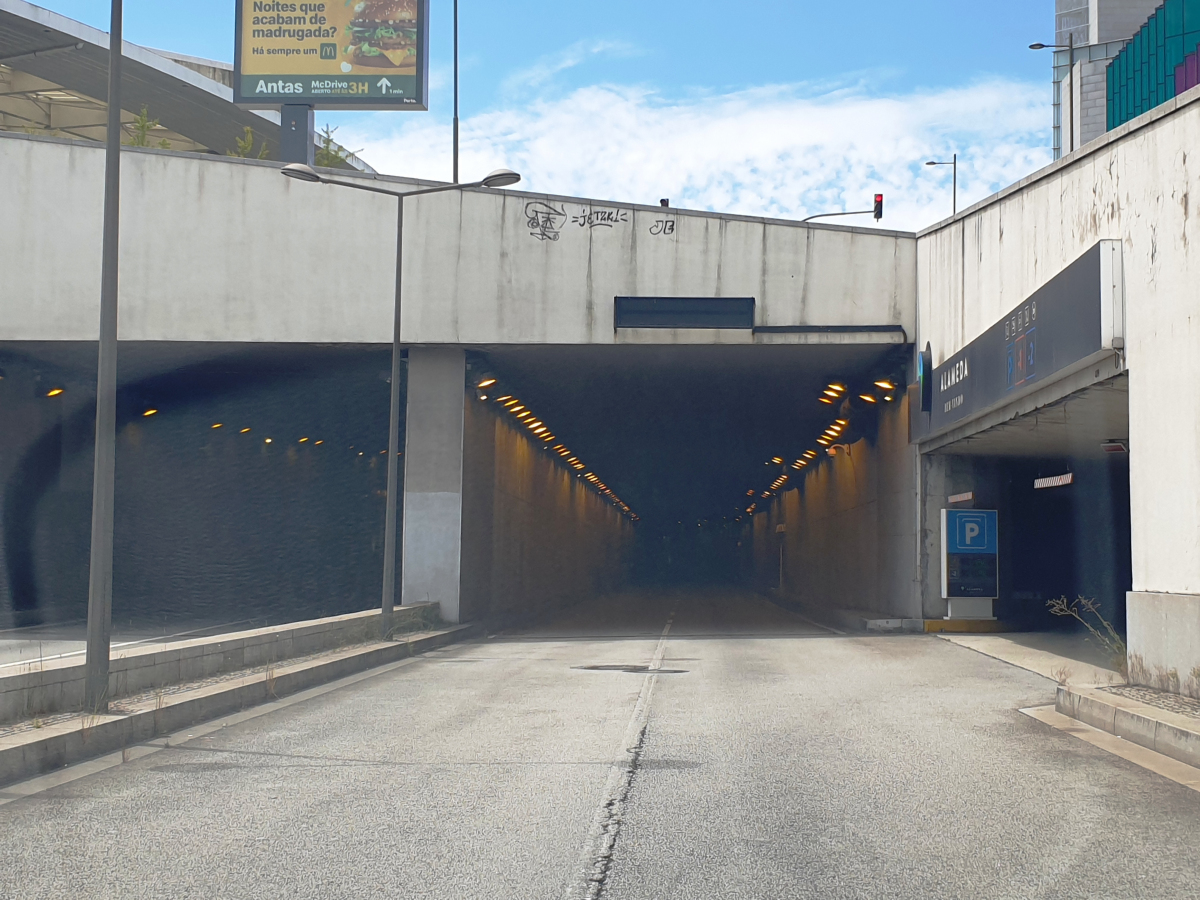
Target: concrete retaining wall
<point x="54" y="686"/>
<point x="262" y="258"/>
<point x="1134" y="185"/>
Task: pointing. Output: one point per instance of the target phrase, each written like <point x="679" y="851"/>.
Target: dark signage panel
<point x="684" y="312"/>
<point x="1056" y="327"/>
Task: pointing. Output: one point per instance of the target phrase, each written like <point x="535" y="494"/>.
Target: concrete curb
<point x="1160" y="730"/>
<point x="28" y="755"/>
<point x="53" y="686"/>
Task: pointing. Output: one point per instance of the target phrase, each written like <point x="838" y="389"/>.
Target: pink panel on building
<point x="1187" y="73"/>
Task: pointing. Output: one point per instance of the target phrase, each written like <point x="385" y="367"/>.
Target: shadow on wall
<point x="254" y="492"/>
<point x="1069" y="541"/>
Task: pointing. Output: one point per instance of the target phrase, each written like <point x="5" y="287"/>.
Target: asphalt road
<point x="775" y="760"/>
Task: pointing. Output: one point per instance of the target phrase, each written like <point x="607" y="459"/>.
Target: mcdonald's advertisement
<point x="361" y="54"/>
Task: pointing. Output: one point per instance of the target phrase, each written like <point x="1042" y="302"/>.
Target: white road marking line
<point x="591" y="871"/>
<point x="1172" y="769"/>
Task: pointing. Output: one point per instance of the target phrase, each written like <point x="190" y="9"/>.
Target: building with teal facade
<point x="1156" y="64"/>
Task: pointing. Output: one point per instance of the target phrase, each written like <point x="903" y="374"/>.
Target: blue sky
<point x="776" y="108"/>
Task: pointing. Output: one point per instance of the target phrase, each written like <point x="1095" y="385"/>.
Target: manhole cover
<point x="637" y="670"/>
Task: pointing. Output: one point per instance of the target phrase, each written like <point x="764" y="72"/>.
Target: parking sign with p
<point x="969" y="553"/>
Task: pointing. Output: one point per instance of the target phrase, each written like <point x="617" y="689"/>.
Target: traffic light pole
<point x="877" y="212"/>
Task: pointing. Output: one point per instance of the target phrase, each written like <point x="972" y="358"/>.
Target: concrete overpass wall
<point x="850" y="530"/>
<point x="217" y="249"/>
<point x="1134" y="185"/>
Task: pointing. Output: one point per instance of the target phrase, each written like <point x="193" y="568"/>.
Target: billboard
<point x="360" y="54"/>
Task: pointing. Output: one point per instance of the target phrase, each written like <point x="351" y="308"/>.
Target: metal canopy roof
<point x="54" y="80"/>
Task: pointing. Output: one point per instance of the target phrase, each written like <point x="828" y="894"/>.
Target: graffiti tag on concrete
<point x="603" y="218"/>
<point x="544" y="220"/>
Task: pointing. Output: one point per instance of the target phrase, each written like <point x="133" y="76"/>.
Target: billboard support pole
<point x="297" y="134"/>
<point x="455" y="174"/>
<point x="99" y="624"/>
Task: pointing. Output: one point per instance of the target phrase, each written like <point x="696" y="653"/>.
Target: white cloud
<point x="773" y="151"/>
<point x="547" y="67"/>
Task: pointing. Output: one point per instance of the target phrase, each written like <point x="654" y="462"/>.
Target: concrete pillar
<point x="433" y="480"/>
<point x="934" y="488"/>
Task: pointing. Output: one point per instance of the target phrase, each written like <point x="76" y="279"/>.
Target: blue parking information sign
<point x="970" y="554"/>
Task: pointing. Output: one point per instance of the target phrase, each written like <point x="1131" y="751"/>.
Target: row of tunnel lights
<point x="542" y="432"/>
<point x="832" y="394"/>
<point x="54" y="392"/>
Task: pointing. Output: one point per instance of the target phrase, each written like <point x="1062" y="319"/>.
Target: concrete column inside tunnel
<point x="433" y="480"/>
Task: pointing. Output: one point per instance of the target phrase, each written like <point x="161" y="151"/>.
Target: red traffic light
<point x="878" y="206"/>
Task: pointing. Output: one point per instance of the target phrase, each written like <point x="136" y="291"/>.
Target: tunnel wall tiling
<point x="848" y="528"/>
<point x="213" y="525"/>
<point x="535" y="537"/>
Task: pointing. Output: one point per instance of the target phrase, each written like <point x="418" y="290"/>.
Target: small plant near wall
<point x="329" y="155"/>
<point x="245" y="147"/>
<point x="1087" y="612"/>
<point x="141" y="126"/>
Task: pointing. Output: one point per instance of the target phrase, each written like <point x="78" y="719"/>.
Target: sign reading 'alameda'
<point x="362" y="54"/>
<point x="1057" y="327"/>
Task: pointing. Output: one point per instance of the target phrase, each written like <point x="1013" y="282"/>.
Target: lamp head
<point x="931" y="163"/>
<point x="1037" y="46"/>
<point x="301" y="172"/>
<point x="497" y="179"/>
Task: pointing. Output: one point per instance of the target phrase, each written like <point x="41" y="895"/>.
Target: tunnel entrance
<point x="1059" y="479"/>
<point x="699" y="440"/>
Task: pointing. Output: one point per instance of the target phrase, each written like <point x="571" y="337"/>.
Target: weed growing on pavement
<point x="270" y="679"/>
<point x="1082" y="609"/>
<point x="1062" y="674"/>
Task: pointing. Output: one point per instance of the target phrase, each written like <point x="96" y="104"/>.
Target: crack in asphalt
<point x="600" y="846"/>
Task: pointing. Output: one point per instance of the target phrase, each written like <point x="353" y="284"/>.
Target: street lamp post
<point x="953" y="163"/>
<point x="497" y="179"/>
<point x="100" y="566"/>
<point x="1070" y="46"/>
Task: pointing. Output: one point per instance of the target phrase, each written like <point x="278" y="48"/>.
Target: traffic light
<point x="878" y="207"/>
